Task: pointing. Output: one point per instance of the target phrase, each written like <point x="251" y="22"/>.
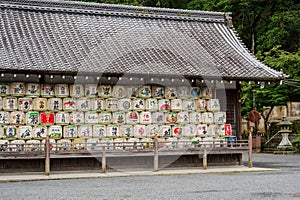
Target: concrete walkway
<point x="79" y="175"/>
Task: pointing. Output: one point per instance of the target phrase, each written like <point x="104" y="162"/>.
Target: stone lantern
<point x="285" y="130"/>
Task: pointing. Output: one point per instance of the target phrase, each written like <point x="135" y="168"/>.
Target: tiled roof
<point x="71" y="37"/>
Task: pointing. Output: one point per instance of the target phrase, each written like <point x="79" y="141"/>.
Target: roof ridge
<point x="113" y="9"/>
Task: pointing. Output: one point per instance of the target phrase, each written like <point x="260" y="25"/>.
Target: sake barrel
<point x="132" y="91"/>
<point x="76" y="117"/>
<point x="145" y="91"/>
<point x="40" y="131"/>
<point x="84" y="104"/>
<point x="10" y="103"/>
<point x="10" y="132"/>
<point x="158" y="92"/>
<point x="69" y="104"/>
<point x="61" y="90"/>
<point x="32" y="118"/>
<point x="1" y="103"/>
<point x="213" y="105"/>
<point x="99" y="131"/>
<point x="98" y="104"/>
<point x="62" y="118"/>
<point x="106" y="143"/>
<point x="105" y="117"/>
<point x="170" y="92"/>
<point x="91" y="117"/>
<point x="4" y="145"/>
<point x="171" y="143"/>
<point x="33" y="90"/>
<point x="17" y="89"/>
<point x="208" y="142"/>
<point x="189" y="105"/>
<point x="24" y="132"/>
<point x="214" y="130"/>
<point x="164" y="131"/>
<point x="70" y="131"/>
<point x="133" y="143"/>
<point x="76" y="90"/>
<point x="4" y="89"/>
<point x="176" y="104"/>
<point x="55" y="131"/>
<point x="25" y="104"/>
<point x="208" y="117"/>
<point x="113" y="130"/>
<point x="4" y="117"/>
<point x="17" y="145"/>
<point x="119" y="143"/>
<point x="138" y="104"/>
<point x="183" y="142"/>
<point x="132" y="117"/>
<point x="85" y="131"/>
<point x="184" y="92"/>
<point x="145" y="117"/>
<point x="119" y="118"/>
<point x="220" y="117"/>
<point x="40" y="104"/>
<point x="47" y="90"/>
<point x="195" y="117"/>
<point x="91" y="90"/>
<point x="195" y="92"/>
<point x="126" y="130"/>
<point x="152" y="130"/>
<point x="177" y="130"/>
<point x="201" y="105"/>
<point x="202" y="129"/>
<point x="164" y="105"/>
<point x="112" y="104"/>
<point x="183" y="117"/>
<point x="47" y="118"/>
<point x="105" y="91"/>
<point x="158" y="118"/>
<point x="190" y="130"/>
<point x="92" y="144"/>
<point x="64" y="145"/>
<point x="119" y="92"/>
<point x="52" y="144"/>
<point x="33" y="145"/>
<point x="1" y="132"/>
<point x="146" y="143"/>
<point x="171" y="117"/>
<point x="124" y="104"/>
<point x="139" y="130"/>
<point x="151" y="104"/>
<point x="79" y="144"/>
<point x="55" y="104"/>
<point x="196" y="142"/>
<point x="206" y="93"/>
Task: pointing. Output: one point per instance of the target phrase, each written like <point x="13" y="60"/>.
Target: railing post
<point x="47" y="155"/>
<point x="205" y="159"/>
<point x="103" y="168"/>
<point x="250" y="150"/>
<point x="155" y="146"/>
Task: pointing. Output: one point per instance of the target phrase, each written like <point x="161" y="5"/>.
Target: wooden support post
<point x="103" y="168"/>
<point x="205" y="159"/>
<point x="250" y="150"/>
<point x="155" y="146"/>
<point x="47" y="155"/>
<point x="240" y="159"/>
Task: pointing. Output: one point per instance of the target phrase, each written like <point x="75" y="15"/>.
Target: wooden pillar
<point x="205" y="159"/>
<point x="238" y="115"/>
<point x="155" y="165"/>
<point x="250" y="150"/>
<point x="47" y="155"/>
<point x="103" y="168"/>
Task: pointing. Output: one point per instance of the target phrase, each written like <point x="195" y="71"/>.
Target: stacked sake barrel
<point x="80" y="116"/>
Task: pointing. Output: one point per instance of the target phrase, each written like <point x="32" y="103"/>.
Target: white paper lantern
<point x="92" y="144"/>
<point x="190" y="130"/>
<point x="132" y="91"/>
<point x="113" y="130"/>
<point x="202" y="129"/>
<point x="17" y="145"/>
<point x="64" y="145"/>
<point x="10" y="132"/>
<point x="177" y="130"/>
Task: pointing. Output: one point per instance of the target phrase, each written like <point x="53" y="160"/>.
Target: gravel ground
<point x="281" y="184"/>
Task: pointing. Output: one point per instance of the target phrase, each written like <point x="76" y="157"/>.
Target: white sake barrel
<point x="79" y="144"/>
<point x="55" y="104"/>
<point x="132" y="117"/>
<point x="98" y="104"/>
<point x="40" y="131"/>
<point x="145" y="91"/>
<point x="113" y="130"/>
<point x="76" y="90"/>
<point x="55" y="131"/>
<point x="202" y="129"/>
<point x="196" y="141"/>
<point x="33" y="145"/>
<point x="124" y="104"/>
<point x="84" y="104"/>
<point x="10" y="103"/>
<point x="91" y="117"/>
<point x="158" y="118"/>
<point x="146" y="143"/>
<point x="119" y="118"/>
<point x="119" y="143"/>
<point x="126" y="130"/>
<point x="17" y="89"/>
<point x="132" y="91"/>
<point x="47" y="90"/>
<point x="52" y="144"/>
<point x="69" y="104"/>
<point x="183" y="117"/>
<point x="220" y="117"/>
<point x="190" y="130"/>
<point x="195" y="117"/>
<point x="164" y="131"/>
<point x="40" y="104"/>
<point x="99" y="131"/>
<point x="10" y="132"/>
<point x="24" y="132"/>
<point x="70" y="131"/>
<point x="152" y="130"/>
<point x="112" y="104"/>
<point x="208" y="117"/>
<point x="206" y="93"/>
<point x="92" y="144"/>
<point x="195" y="92"/>
<point x="1" y="132"/>
<point x="213" y="105"/>
<point x="85" y="131"/>
<point x="25" y="104"/>
<point x="176" y="104"/>
<point x="170" y="92"/>
<point x="91" y="90"/>
<point x="62" y="90"/>
<point x="184" y="142"/>
<point x="105" y="117"/>
<point x="139" y="130"/>
<point x="119" y="92"/>
<point x="4" y="89"/>
<point x="106" y="143"/>
<point x="151" y="104"/>
<point x="177" y="130"/>
<point x="138" y="104"/>
<point x="158" y="92"/>
<point x="145" y="117"/>
<point x="1" y="103"/>
<point x="77" y="117"/>
<point x="17" y="145"/>
<point x="47" y="118"/>
<point x="184" y="92"/>
<point x="171" y="142"/>
<point x="17" y="118"/>
<point x="62" y="118"/>
<point x="201" y="105"/>
<point x="189" y="105"/>
<point x="171" y="117"/>
<point x="32" y="118"/>
<point x="4" y="145"/>
<point x="164" y="105"/>
<point x="214" y="130"/>
<point x="133" y="143"/>
<point x="4" y="117"/>
<point x="33" y="90"/>
<point x="105" y="91"/>
<point x="64" y="145"/>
